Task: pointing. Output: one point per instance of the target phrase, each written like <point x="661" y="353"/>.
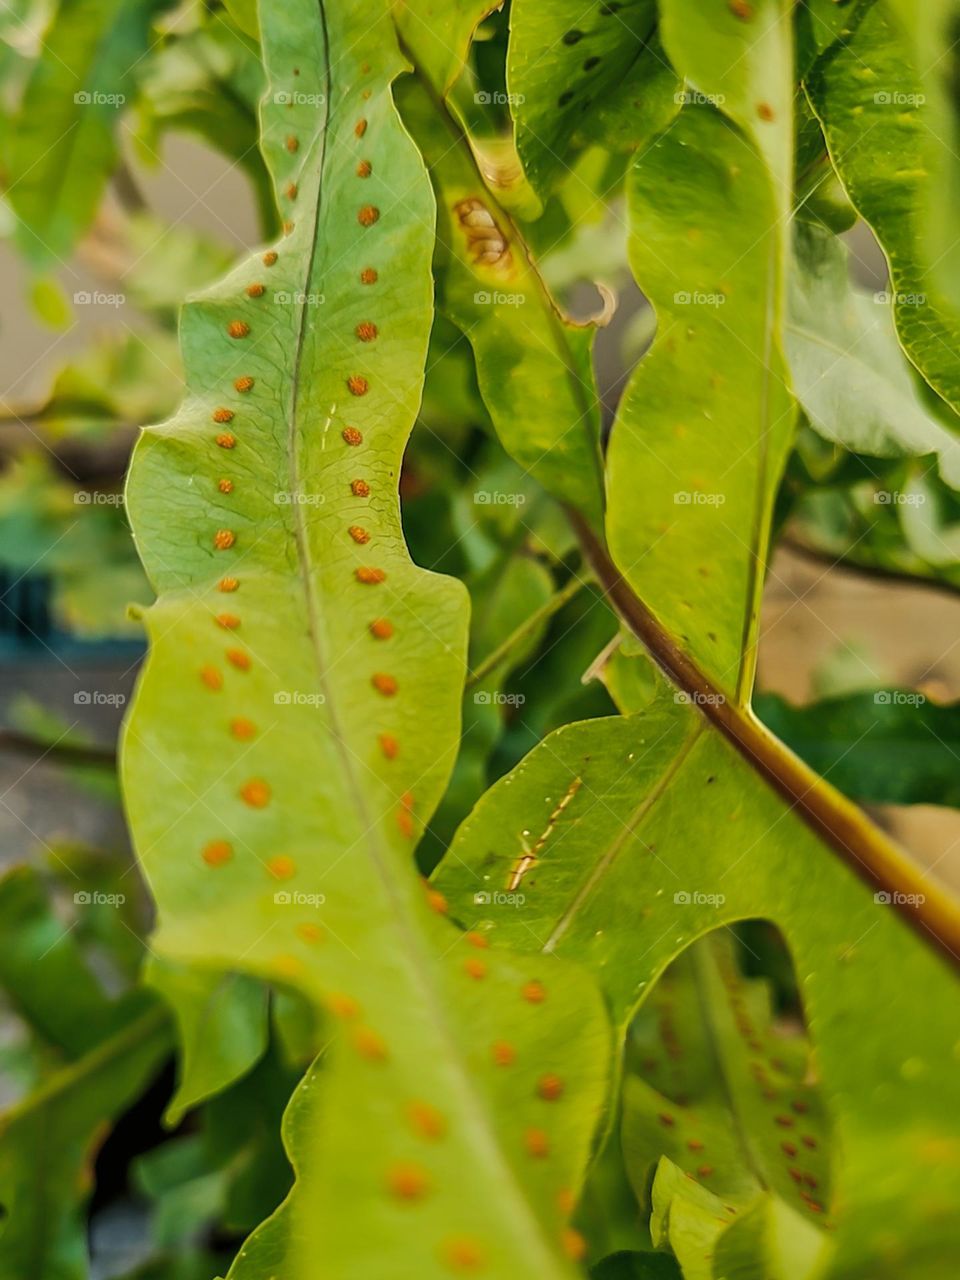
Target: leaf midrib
<point x="417" y="962"/>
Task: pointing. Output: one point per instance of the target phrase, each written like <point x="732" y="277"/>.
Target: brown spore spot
<point x="238" y="329"/>
<point x="534" y="992"/>
<point x="550" y="1087"/>
<point x="281" y="867"/>
<point x="244" y="384"/>
<point x="388" y="745"/>
<point x="360" y="128"/>
<point x="224" y="539"/>
<point x="426" y="1120"/>
<point x="222" y="415"/>
<point x="370" y="1044"/>
<point x="503" y="1053"/>
<point x="369" y="576"/>
<point x="368" y="276"/>
<point x="477" y="940"/>
<point x="226" y="441"/>
<point x="381" y="628"/>
<point x="741" y="9"/>
<point x="704" y="1170"/>
<point x="269" y="258"/>
<point x="225" y="485"/>
<point x="437" y="902"/>
<point x="352" y="436"/>
<point x="366" y="331"/>
<point x="537" y="1143"/>
<point x="785" y="1122"/>
<point x="360" y="489"/>
<point x="359" y="534"/>
<point x="407" y="1181"/>
<point x="357" y="385"/>
<point x="228" y="584"/>
<point x="256" y="794"/>
<point x="242" y="729"/>
<point x="256" y="290"/>
<point x="238" y="659"/>
<point x="292" y="143"/>
<point x="368" y="215"/>
<point x="384" y="683"/>
<point x="212" y="678"/>
<point x="666" y="1119"/>
<point x="217" y="853"/>
<point x="291" y="191"/>
<point x="765" y="111"/>
<point x="364" y="169"/>
<point x="475" y="968"/>
<point x="229" y="621"/>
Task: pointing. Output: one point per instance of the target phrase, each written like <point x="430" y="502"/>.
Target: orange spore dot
<point x="437" y="902"/>
<point x="238" y="659"/>
<point x="310" y="932"/>
<point x="225" y="485"/>
<point x="351" y="435"/>
<point x="406" y="800"/>
<point x="244" y="384"/>
<point x="384" y="684"/>
<point x="238" y="328"/>
<point x="364" y="169"/>
<point x="370" y="1045"/>
<point x="256" y="290"/>
<point x="256" y="793"/>
<point x="765" y="111"/>
<point x="574" y="1245"/>
<point x="217" y="852"/>
<point x="475" y="968"/>
<point x="226" y="441"/>
<point x="224" y="539"/>
<point x="537" y="1143"/>
<point x="229" y="621"/>
<point x="366" y="331"/>
<point x="357" y="385"/>
<point x="405" y="824"/>
<point x="503" y="1053"/>
<point x="228" y="584"/>
<point x="292" y="144"/>
<point x="281" y="867"/>
<point x="291" y="191"/>
<point x="462" y="1253"/>
<point x="704" y="1170"/>
<point x="550" y="1088"/>
<point x="269" y="258"/>
<point x="426" y="1120"/>
<point x="360" y="128"/>
<point x="368" y="276"/>
<point x="534" y="992"/>
<point x="358" y="534"/>
<point x="368" y="215"/>
<point x="222" y="415"/>
<point x="370" y="576"/>
<point x="343" y="1006"/>
<point x="287" y="965"/>
<point x="741" y="9"/>
<point x="478" y="940"/>
<point x="381" y="628"/>
<point x="288" y="227"/>
<point x="566" y="1201"/>
<point x="211" y="677"/>
<point x="242" y="729"/>
<point x="360" y="489"/>
<point x="407" y="1181"/>
<point x="388" y="745"/>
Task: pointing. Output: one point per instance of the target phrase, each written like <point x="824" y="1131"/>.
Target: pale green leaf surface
<point x="576" y="69"/>
<point x="658" y="805"/>
<point x="867" y="94"/>
<point x="705" y="423"/>
<point x="313" y="882"/>
<point x="533" y="367"/>
<point x="440" y="31"/>
<point x="848" y="369"/>
<point x="770" y="1241"/>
